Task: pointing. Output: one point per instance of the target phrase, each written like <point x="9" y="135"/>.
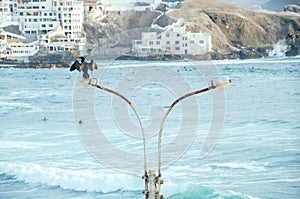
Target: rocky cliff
<point x="239" y="32"/>
<point x="236" y="33"/>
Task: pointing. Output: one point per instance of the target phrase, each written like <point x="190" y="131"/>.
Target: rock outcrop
<point x="292" y="8"/>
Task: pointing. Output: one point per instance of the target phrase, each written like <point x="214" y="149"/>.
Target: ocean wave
<point x="135" y="64"/>
<point x="195" y="191"/>
<point x="104" y="181"/>
<point x="258" y="61"/>
<point x="252" y="166"/>
<point x="17" y="145"/>
<point x="20" y="106"/>
<point x="77" y="180"/>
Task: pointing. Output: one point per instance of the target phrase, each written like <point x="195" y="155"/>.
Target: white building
<point x="56" y="24"/>
<point x="178" y="41"/>
<point x="175" y="40"/>
<point x="42" y="16"/>
<point x="13" y="47"/>
<point x="114" y="5"/>
<point x="7" y="10"/>
<point x="36" y="17"/>
<point x="151" y="44"/>
<point x="70" y="14"/>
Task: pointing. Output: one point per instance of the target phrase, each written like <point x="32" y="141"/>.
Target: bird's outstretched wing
<point x="93" y="65"/>
<point x="75" y="66"/>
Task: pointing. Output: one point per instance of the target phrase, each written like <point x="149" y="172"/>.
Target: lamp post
<point x="152" y="182"/>
<point x="94" y="82"/>
<point x="218" y="84"/>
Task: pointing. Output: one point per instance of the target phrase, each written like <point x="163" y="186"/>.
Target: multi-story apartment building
<point x="127" y="4"/>
<point x="54" y="24"/>
<point x="175" y="40"/>
<point x="70" y="14"/>
<point x="12" y="47"/>
<point x="178" y="41"/>
<point x="36" y="17"/>
<point x="7" y="10"/>
<point x="42" y="16"/>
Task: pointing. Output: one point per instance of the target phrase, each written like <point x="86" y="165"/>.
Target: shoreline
<point x="56" y="64"/>
<point x="34" y="65"/>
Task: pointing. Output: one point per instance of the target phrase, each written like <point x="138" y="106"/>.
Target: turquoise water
<point x="256" y="156"/>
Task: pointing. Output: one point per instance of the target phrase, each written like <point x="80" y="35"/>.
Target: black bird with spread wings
<point x="82" y="65"/>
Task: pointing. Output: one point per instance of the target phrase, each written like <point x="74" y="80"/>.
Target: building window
<point x="201" y="41"/>
<point x="177" y="48"/>
<point x="168" y="42"/>
<point x="177" y="42"/>
<point x="150" y="42"/>
<point x="157" y="42"/>
<point x="192" y="41"/>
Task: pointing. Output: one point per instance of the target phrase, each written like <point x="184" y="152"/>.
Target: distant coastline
<point x="65" y="59"/>
<point x="4" y="64"/>
<point x="41" y="60"/>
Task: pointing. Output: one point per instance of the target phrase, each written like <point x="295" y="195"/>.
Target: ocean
<point x="62" y="139"/>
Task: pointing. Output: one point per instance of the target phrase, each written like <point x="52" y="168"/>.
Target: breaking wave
<point x="279" y="49"/>
<point x="78" y="180"/>
<point x="103" y="182"/>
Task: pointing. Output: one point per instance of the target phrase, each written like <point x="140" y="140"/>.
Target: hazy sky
<point x="273" y="5"/>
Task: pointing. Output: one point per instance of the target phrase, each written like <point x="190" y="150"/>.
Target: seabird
<point x="81" y="65"/>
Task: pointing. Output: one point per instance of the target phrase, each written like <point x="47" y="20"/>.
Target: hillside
<point x="236" y="32"/>
<point x="234" y="28"/>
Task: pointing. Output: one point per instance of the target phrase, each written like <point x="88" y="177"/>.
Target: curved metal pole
<point x="165" y="118"/>
<point x="145" y="177"/>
